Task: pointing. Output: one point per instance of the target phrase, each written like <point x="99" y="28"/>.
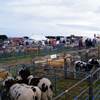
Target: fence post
<point x="65" y="68"/>
<point x="87" y="55"/>
<point x="55" y="81"/>
<point x="98" y="52"/>
<point x="90" y="81"/>
<point x="66" y="96"/>
<point x="80" y="53"/>
<point x="9" y="68"/>
<point x="76" y="98"/>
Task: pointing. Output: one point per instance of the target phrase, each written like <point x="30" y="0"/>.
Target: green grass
<point x="63" y="84"/>
<point x="2" y="60"/>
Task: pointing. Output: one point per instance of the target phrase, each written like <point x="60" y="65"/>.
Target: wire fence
<point x="42" y="52"/>
<point x="80" y="87"/>
<point x="84" y="87"/>
<point x="91" y="92"/>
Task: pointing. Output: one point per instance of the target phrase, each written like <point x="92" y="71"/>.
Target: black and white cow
<point x="23" y="75"/>
<point x="24" y="72"/>
<point x="22" y="91"/>
<point x="94" y="62"/>
<point x="45" y="85"/>
<point x="80" y="66"/>
<point x="88" y="67"/>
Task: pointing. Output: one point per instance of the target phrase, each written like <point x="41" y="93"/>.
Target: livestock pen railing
<point x="37" y="52"/>
<point x="62" y="83"/>
<point x="56" y="75"/>
<point x="90" y="92"/>
<point x="61" y="49"/>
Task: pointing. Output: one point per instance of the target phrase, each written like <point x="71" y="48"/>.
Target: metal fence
<point x="84" y="88"/>
<point x="90" y="92"/>
<point x="81" y="88"/>
<point x="39" y="52"/>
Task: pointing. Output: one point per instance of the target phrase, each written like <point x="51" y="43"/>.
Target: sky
<point x="49" y="17"/>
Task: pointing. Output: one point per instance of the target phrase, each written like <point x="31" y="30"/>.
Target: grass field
<point x="65" y="84"/>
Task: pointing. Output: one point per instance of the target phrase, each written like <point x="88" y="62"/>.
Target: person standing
<point x="94" y="42"/>
<point x="80" y="43"/>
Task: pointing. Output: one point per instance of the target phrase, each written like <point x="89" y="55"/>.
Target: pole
<point x="55" y="78"/>
<point x="90" y="80"/>
<point x="65" y="68"/>
<point x="98" y="52"/>
<point x="87" y="55"/>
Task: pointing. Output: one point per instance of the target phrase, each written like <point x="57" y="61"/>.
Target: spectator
<point x="88" y="43"/>
<point x="94" y="42"/>
<point x="80" y="43"/>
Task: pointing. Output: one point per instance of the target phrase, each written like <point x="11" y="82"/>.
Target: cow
<point x="45" y="85"/>
<point x="21" y="91"/>
<point x="24" y="73"/>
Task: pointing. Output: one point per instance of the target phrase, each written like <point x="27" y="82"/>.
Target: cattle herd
<point x="27" y="87"/>
<point x="87" y="66"/>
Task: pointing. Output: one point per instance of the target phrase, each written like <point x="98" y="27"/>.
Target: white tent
<point x="38" y="37"/>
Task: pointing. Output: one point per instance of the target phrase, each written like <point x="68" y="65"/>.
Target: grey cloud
<point x="62" y="18"/>
<point x="80" y="27"/>
<point x="97" y="11"/>
<point x="66" y="3"/>
<point x="34" y="16"/>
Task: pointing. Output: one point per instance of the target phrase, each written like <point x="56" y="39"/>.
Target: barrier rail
<point x="89" y="77"/>
<point x="90" y="87"/>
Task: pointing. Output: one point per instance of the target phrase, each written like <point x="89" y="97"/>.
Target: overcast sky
<point x="49" y="17"/>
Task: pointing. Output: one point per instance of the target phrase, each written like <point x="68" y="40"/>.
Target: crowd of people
<point x="48" y="44"/>
<point x="87" y="43"/>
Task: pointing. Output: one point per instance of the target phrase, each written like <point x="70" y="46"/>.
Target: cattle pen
<point x="92" y="91"/>
<point x="86" y="86"/>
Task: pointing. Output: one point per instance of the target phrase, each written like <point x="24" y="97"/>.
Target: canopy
<point x="38" y="37"/>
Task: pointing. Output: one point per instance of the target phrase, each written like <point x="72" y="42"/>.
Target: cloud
<point x="49" y="16"/>
<point x="81" y="27"/>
